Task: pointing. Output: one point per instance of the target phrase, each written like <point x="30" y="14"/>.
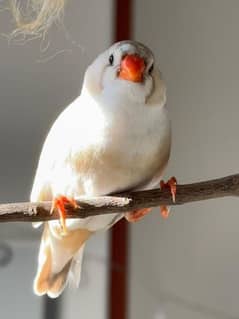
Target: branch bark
<point x="123" y="202"/>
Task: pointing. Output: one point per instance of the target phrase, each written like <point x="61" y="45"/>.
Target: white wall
<point x="188" y="266"/>
<point x="32" y="95"/>
<point x="16" y="297"/>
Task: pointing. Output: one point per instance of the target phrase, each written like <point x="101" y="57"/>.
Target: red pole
<point x="123" y="20"/>
<point x="118" y="285"/>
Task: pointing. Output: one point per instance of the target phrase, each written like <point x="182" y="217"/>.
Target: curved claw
<point x="136" y="215"/>
<point x="59" y="203"/>
<point x="164" y="210"/>
<point x="172" y="185"/>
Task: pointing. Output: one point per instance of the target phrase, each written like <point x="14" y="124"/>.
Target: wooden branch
<point x="123" y="202"/>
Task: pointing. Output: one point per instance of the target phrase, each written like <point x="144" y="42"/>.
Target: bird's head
<point x="127" y="68"/>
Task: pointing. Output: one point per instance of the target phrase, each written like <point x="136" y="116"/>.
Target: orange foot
<point x="59" y="203"/>
<point x="136" y="215"/>
<point x="172" y="185"/>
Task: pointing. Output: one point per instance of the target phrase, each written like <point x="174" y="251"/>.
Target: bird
<point x="115" y="136"/>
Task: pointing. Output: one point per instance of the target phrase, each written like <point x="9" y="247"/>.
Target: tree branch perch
<point x="123" y="202"/>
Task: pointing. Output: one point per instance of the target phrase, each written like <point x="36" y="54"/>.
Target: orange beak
<point x="132" y="68"/>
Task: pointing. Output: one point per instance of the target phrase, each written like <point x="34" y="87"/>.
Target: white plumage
<point x="115" y="136"/>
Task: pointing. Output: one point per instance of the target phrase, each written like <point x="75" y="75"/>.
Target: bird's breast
<point x="124" y="153"/>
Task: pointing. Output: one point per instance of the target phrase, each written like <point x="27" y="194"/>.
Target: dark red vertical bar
<point x="123" y="19"/>
<point x="118" y="285"/>
<point x="119" y="269"/>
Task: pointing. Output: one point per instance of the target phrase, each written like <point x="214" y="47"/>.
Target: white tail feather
<point x="76" y="268"/>
<point x="59" y="261"/>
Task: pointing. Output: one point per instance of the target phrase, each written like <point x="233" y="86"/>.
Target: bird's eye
<point x="111" y="59"/>
<point x="151" y="69"/>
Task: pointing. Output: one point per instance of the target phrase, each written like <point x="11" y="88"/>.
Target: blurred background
<point x="185" y="267"/>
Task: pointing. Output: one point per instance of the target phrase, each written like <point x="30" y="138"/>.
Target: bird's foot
<point x="137" y="214"/>
<point x="59" y="203"/>
<point x="172" y="185"/>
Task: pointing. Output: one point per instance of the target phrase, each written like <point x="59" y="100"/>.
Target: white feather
<point x="76" y="268"/>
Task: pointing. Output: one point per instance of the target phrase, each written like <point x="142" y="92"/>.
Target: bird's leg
<point x="137" y="214"/>
<point x="59" y="203"/>
<point x="172" y="185"/>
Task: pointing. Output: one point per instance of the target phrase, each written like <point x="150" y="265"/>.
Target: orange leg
<point x="136" y="215"/>
<point x="172" y="185"/>
<point x="59" y="203"/>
